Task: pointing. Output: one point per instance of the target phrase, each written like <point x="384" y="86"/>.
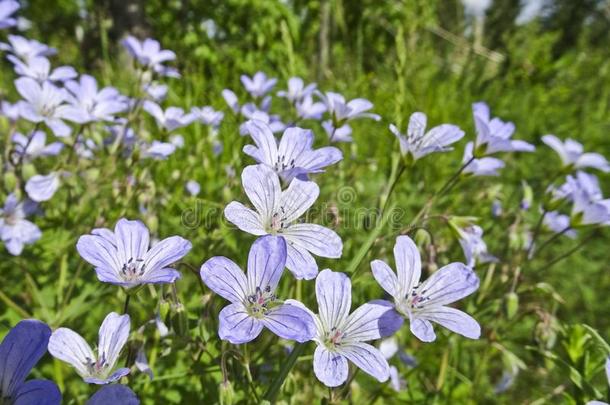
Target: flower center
<point x="133" y="269"/>
<point x="282" y="164"/>
<point x="97" y="368"/>
<point x="278" y="222"/>
<point x="334" y="338"/>
<point x="258" y="303"/>
<point x="413" y="301"/>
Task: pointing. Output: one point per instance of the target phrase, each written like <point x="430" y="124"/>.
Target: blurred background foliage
<point x="547" y="70"/>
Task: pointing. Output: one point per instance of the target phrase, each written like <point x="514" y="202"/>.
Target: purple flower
<point x="207" y="116"/>
<point x="15" y="230"/>
<point x="87" y="104"/>
<point x="277" y="213"/>
<point x="419" y="143"/>
<point x="43" y="103"/>
<point x="297" y="91"/>
<point x="426" y="302"/>
<point x="10" y="111"/>
<point x="115" y="394"/>
<point x="123" y="257"/>
<point x="340" y="134"/>
<point x="26" y="49"/>
<point x="170" y="119"/>
<point x="67" y="345"/>
<point x="572" y="156"/>
<point x="231" y="100"/>
<point x="193" y="187"/>
<point x="35" y="146"/>
<point x="254" y="304"/>
<point x="39" y="69"/>
<point x="294" y="156"/>
<point x="251" y="112"/>
<point x="342" y="111"/>
<point x="42" y="187"/>
<point x="340" y="336"/>
<point x="20" y="350"/>
<point x="557" y="222"/>
<point x="308" y="109"/>
<point x="7" y="8"/>
<point x="493" y="135"/>
<point x="473" y="245"/>
<point x="149" y="54"/>
<point x="258" y="85"/>
<point x="485" y="166"/>
<point x="158" y="150"/>
<point x="589" y="207"/>
<point x="157" y="92"/>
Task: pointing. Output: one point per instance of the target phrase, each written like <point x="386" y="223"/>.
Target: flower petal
<point x="113" y="335"/>
<point x="334" y="295"/>
<point x="67" y="345"/>
<point x="372" y="320"/>
<point x="297" y="198"/>
<point x="99" y="252"/>
<point x="290" y="322"/>
<point x="225" y="278"/>
<point x="330" y="367"/>
<point x="452" y="319"/>
<point x="132" y="240"/>
<point x="449" y="284"/>
<point x="266" y="262"/>
<point x="264" y="139"/>
<point x="166" y="252"/>
<point x="20" y="350"/>
<point x="300" y="262"/>
<point x="315" y="238"/>
<point x="385" y="277"/>
<point x="422" y="329"/>
<point x="244" y="218"/>
<point x="115" y="394"/>
<point x="237" y="326"/>
<point x="38" y="392"/>
<point x="368" y="358"/>
<point x="262" y="186"/>
<point x="408" y="264"/>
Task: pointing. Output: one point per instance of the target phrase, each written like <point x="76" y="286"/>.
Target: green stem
<point x="274" y="389"/>
<point x="551" y="239"/>
<point x="453" y="179"/>
<point x="126" y="306"/>
<point x="536" y="233"/>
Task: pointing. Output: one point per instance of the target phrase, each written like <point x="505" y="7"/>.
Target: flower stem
<point x="453" y="179"/>
<point x="277" y="383"/>
<point x="126" y="306"/>
<point x="551" y="239"/>
<point x="536" y="233"/>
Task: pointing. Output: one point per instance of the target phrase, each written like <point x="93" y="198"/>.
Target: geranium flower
<point x="35" y="146"/>
<point x="88" y="104"/>
<point x="297" y="90"/>
<point x="572" y="154"/>
<point x="149" y="54"/>
<point x="426" y="302"/>
<point x="340" y="336"/>
<point x="254" y="304"/>
<point x="116" y="394"/>
<point x="123" y="257"/>
<point x="485" y="166"/>
<point x="170" y="119"/>
<point x="39" y="69"/>
<point x="43" y="103"/>
<point x="15" y="230"/>
<point x="258" y="85"/>
<point x="7" y="8"/>
<point x="26" y="49"/>
<point x="294" y="156"/>
<point x="277" y="213"/>
<point x="493" y="134"/>
<point x="67" y="345"/>
<point x="418" y="143"/>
